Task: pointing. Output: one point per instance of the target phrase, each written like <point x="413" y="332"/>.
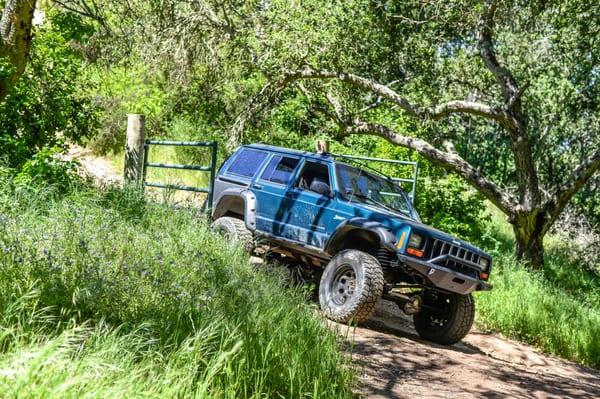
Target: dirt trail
<point x="99" y="169"/>
<point x="395" y="363"/>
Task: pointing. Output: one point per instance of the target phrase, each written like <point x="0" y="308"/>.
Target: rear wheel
<point x="351" y="287"/>
<point x="445" y="318"/>
<point x="234" y="231"/>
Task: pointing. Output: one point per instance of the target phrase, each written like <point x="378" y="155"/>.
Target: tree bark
<point x="529" y="228"/>
<point x="15" y="42"/>
<point x="529" y="247"/>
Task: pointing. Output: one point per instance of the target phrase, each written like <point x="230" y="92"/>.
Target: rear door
<point x="271" y="190"/>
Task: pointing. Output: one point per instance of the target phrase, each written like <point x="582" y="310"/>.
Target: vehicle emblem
<point x="431" y="271"/>
<point x="456" y="242"/>
<point x="338" y="217"/>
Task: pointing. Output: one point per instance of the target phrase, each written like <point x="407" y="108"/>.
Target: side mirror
<point x="320" y="187"/>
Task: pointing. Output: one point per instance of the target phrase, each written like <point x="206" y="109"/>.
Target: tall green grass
<point x="557" y="309"/>
<point x="107" y="295"/>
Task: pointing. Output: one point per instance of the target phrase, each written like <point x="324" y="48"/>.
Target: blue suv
<point x="353" y="232"/>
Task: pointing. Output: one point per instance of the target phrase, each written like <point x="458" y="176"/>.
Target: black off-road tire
<point x="235" y="231"/>
<point x="451" y="323"/>
<point x="351" y="287"/>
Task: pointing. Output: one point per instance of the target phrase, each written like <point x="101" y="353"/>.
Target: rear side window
<point x="247" y="162"/>
<point x="280" y="169"/>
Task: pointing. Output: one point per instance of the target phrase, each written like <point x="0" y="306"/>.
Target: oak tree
<point x="523" y="106"/>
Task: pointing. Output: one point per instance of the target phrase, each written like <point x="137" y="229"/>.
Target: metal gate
<point x="200" y="168"/>
<point x="413" y="165"/>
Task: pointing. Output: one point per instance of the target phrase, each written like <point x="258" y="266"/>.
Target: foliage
<point x="45" y="167"/>
<point x="129" y="89"/>
<point x="49" y="104"/>
<point x="115" y="296"/>
<point x="228" y="61"/>
<point x="450" y="205"/>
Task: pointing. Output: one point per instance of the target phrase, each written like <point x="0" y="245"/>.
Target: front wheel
<point x="351" y="287"/>
<point x="445" y="318"/>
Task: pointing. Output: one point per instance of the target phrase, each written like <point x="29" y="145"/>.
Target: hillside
<point x="105" y="294"/>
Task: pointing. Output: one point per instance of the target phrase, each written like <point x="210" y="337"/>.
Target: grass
<point x="107" y="295"/>
<point x="556" y="310"/>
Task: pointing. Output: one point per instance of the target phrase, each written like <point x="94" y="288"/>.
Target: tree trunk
<point x="530" y="228"/>
<point x="530" y="249"/>
<point x="15" y="41"/>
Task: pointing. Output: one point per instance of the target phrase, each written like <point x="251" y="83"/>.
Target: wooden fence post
<point x="134" y="149"/>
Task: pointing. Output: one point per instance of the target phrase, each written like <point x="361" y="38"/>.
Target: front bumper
<point x="444" y="278"/>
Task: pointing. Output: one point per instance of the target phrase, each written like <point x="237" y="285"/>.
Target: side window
<point x="247" y="162"/>
<point x="315" y="177"/>
<point x="280" y="169"/>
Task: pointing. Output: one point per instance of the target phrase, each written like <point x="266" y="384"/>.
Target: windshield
<point x="358" y="185"/>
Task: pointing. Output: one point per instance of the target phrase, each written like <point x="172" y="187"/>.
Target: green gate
<point x="212" y="145"/>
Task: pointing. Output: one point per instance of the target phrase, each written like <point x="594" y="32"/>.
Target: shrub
<point x="46" y="168"/>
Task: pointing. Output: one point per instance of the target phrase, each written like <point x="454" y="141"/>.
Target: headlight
<point x="415" y="241"/>
<point x="484" y="262"/>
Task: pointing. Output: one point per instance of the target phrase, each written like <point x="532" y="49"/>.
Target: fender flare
<point x="226" y="197"/>
<point x="383" y="233"/>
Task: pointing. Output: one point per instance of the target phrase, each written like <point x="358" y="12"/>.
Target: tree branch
<point x="83" y="9"/>
<point x="529" y="192"/>
<point x="339" y="114"/>
<point x="450" y="161"/>
<point x="342" y="116"/>
<point x="437" y="112"/>
<point x="563" y="194"/>
<point x="485" y="26"/>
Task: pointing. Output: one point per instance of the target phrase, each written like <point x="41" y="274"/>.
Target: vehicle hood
<point x="400" y="223"/>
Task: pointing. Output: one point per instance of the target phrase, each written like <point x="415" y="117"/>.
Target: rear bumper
<point x="444" y="278"/>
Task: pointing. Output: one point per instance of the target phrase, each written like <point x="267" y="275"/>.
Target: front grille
<point x="435" y="248"/>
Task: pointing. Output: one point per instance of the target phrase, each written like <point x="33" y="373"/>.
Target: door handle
<point x="258" y="186"/>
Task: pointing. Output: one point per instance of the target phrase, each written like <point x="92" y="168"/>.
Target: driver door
<point x="311" y="209"/>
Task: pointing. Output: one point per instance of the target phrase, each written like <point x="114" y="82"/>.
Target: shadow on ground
<point x="396" y="363"/>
